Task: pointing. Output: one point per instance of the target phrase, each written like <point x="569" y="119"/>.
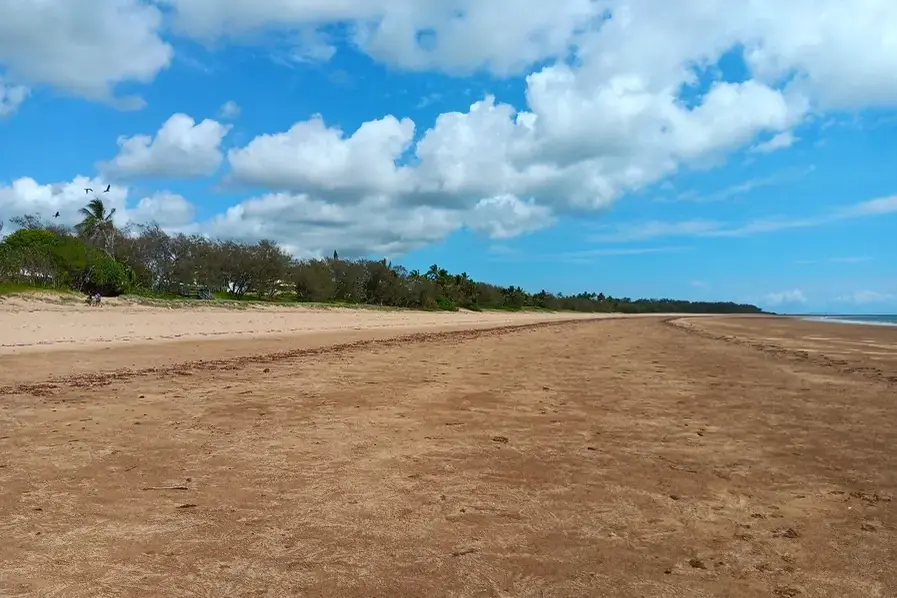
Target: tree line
<point x="95" y="256"/>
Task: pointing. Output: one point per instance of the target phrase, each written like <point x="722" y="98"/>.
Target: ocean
<point x="876" y="320"/>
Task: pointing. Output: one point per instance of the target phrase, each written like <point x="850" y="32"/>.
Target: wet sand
<point x="619" y="457"/>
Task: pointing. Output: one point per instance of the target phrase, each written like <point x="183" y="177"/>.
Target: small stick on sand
<point x="166" y="488"/>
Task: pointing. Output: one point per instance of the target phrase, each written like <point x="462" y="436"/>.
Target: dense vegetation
<point x="95" y="256"/>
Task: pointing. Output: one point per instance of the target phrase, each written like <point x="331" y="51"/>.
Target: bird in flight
<point x="56" y="215"/>
<point x="107" y="188"/>
<point x="86" y="191"/>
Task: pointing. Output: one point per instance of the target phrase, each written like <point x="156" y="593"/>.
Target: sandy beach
<point x="301" y="452"/>
<point x="44" y="325"/>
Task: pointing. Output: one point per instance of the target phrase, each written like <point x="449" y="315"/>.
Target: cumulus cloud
<point x="168" y="210"/>
<point x="84" y="47"/>
<point x="506" y="216"/>
<point x="840" y="53"/>
<point x="312" y="157"/>
<point x="609" y="123"/>
<point x="307" y="226"/>
<point x="456" y="35"/>
<point x="493" y="150"/>
<point x="604" y="113"/>
<point x="27" y="196"/>
<point x="180" y="149"/>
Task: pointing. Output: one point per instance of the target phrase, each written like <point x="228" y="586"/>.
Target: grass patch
<point x="225" y="300"/>
<point x="11" y="288"/>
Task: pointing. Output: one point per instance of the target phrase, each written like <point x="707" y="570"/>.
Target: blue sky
<point x="594" y="146"/>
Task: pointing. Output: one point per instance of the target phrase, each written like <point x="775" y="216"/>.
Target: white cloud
<point x="168" y="210"/>
<point x="839" y="55"/>
<point x="229" y="110"/>
<point x="181" y="148"/>
<point x="866" y="297"/>
<point x="786" y="297"/>
<point x="11" y="97"/>
<point x="26" y="196"/>
<point x="307" y="226"/>
<point x="467" y="34"/>
<point x="312" y="157"/>
<point x="506" y="216"/>
<point x="493" y="150"/>
<point x="84" y="47"/>
<point x="842" y="54"/>
<point x="311" y="46"/>
<point x="780" y="141"/>
<point x="581" y="143"/>
<point x="873" y="207"/>
<point x="606" y="123"/>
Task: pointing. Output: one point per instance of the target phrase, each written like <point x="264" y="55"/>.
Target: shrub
<point x="109" y="277"/>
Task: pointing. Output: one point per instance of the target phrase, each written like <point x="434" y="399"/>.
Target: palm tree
<point x="97" y="224"/>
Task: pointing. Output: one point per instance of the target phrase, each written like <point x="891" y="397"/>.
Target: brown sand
<point x="624" y="457"/>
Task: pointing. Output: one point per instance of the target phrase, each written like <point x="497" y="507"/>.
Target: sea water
<point x="877" y="320"/>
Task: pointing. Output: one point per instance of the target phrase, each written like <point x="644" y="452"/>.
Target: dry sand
<point x="622" y="457"/>
<point x="29" y="324"/>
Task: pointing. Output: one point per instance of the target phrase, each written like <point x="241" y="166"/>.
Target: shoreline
<point x="839" y="319"/>
<point x="849" y="348"/>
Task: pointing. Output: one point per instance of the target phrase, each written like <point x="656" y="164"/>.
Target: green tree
<point x="29" y="257"/>
<point x="97" y="225"/>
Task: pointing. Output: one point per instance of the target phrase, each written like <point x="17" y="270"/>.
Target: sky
<point x="702" y="150"/>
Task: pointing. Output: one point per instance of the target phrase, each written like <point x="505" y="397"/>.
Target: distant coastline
<point x="868" y="319"/>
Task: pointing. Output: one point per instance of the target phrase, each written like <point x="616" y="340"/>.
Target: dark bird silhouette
<point x="56" y="215"/>
<point x="86" y="191"/>
<point x="107" y="188"/>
